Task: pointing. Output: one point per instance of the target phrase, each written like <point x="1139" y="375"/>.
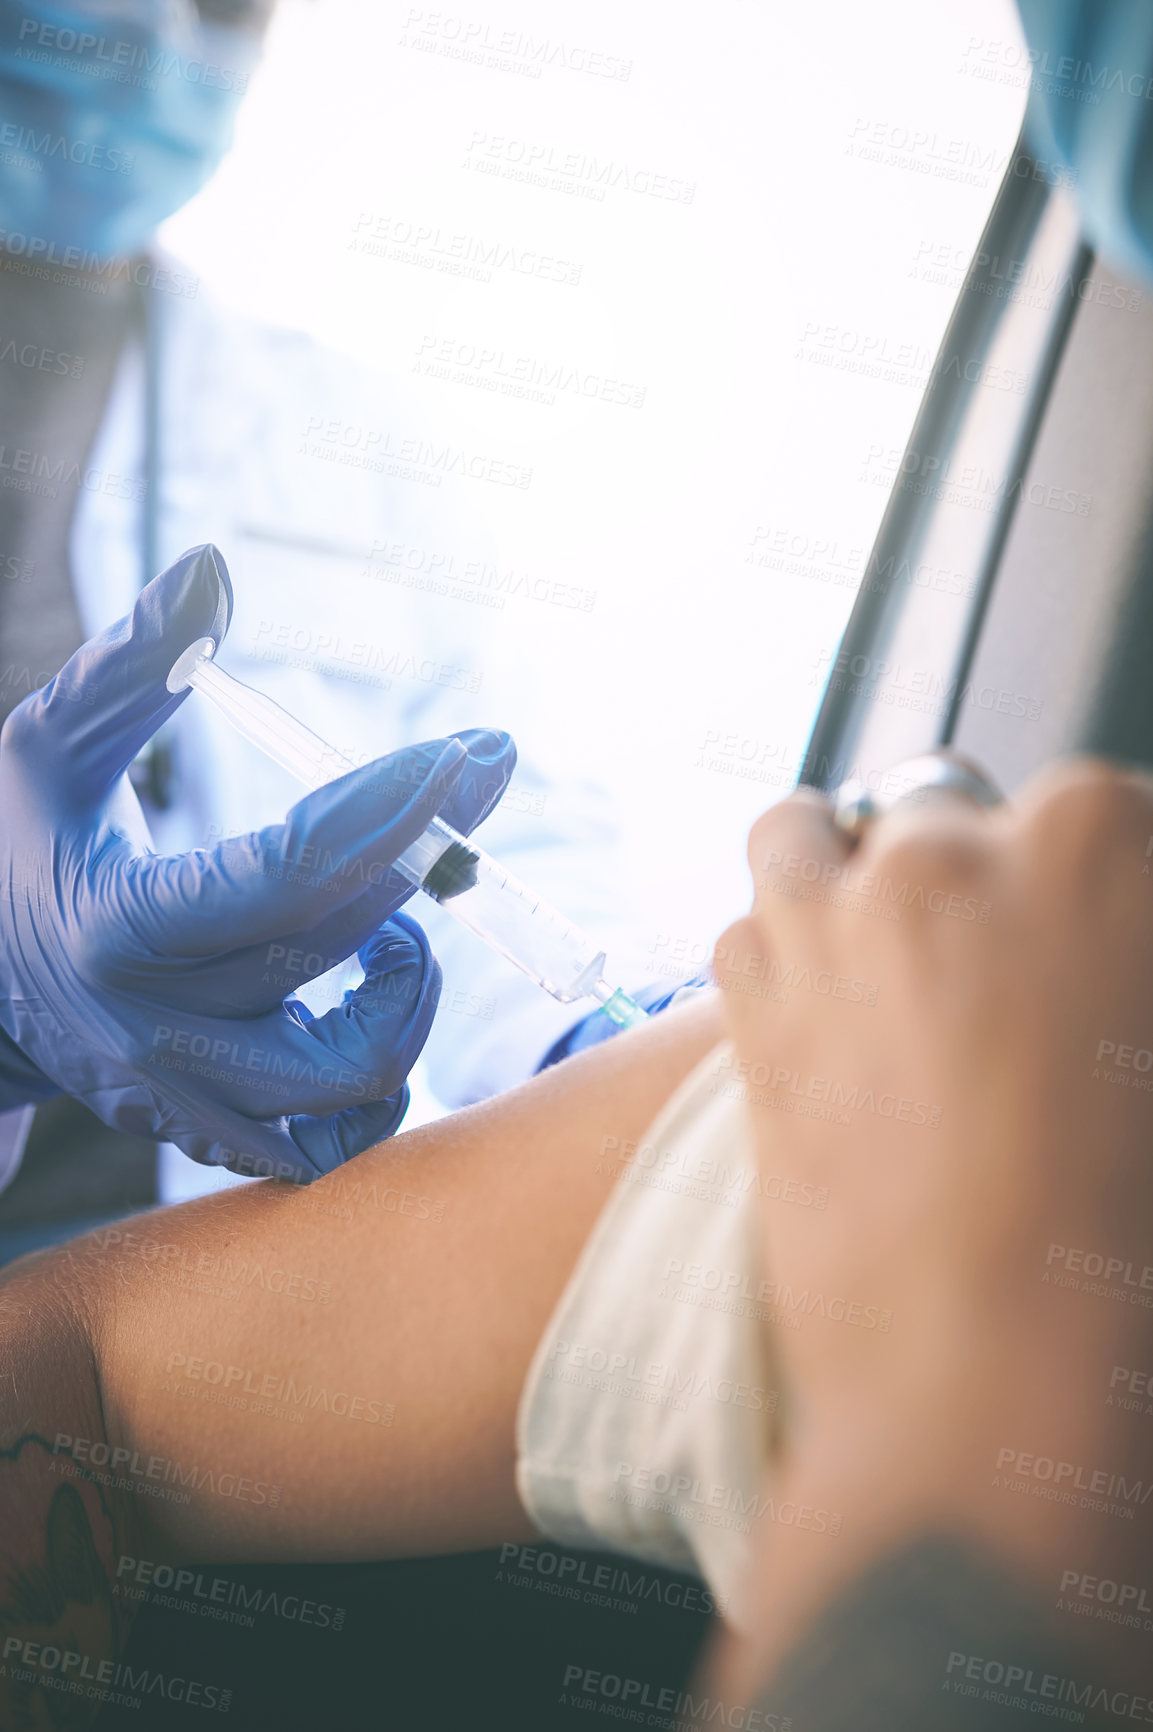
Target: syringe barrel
<point x="510" y="917"/>
<point x="421" y="856"/>
<point x="475" y="888"/>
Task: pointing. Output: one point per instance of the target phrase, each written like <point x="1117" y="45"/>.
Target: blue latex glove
<point x="597" y="1026"/>
<point x="1090" y="115"/>
<point x="154" y="988"/>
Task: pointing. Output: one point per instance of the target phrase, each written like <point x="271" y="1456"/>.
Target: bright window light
<point x="690" y="268"/>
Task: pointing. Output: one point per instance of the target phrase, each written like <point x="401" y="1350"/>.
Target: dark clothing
<point x="59" y="348"/>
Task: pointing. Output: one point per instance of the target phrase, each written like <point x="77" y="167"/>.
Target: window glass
<point x="688" y="267"/>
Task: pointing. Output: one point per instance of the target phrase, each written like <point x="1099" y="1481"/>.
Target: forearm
<point x="974" y="1501"/>
<point x="936" y="1633"/>
<point x="334" y="1372"/>
<point x="1006" y="1437"/>
<point x="982" y="1408"/>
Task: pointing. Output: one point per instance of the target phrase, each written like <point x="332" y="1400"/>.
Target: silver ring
<point x="928" y="776"/>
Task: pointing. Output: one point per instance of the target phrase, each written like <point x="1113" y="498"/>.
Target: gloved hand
<point x="598" y="1026"/>
<point x="154" y="988"/>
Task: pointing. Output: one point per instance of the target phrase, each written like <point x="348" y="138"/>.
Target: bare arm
<point x="334" y="1372"/>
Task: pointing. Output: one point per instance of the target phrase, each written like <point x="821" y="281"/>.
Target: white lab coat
<point x="294" y="461"/>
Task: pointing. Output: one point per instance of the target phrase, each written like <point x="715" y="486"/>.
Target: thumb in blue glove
<point x="142" y="984"/>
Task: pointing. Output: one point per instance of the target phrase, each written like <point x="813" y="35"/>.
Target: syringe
<point x="445" y="865"/>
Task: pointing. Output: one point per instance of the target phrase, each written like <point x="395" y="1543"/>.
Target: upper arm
<point x="334" y="1372"/>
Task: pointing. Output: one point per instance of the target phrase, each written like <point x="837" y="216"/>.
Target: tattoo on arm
<point x="63" y="1626"/>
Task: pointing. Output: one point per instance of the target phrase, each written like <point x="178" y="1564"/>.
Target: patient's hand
<point x="970" y="1075"/>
